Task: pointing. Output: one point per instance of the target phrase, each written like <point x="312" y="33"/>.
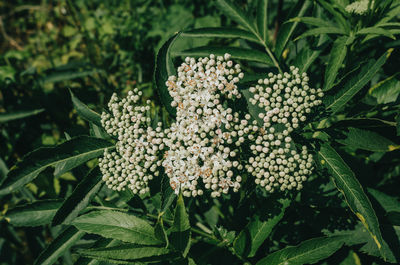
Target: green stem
<point x="222" y="243"/>
<point x="268" y="50"/>
<point x="194" y="230"/>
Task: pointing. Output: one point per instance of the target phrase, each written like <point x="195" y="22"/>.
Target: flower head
<point x="277" y="163"/>
<point x="137" y="154"/>
<point x="203" y="142"/>
<point x="209" y="147"/>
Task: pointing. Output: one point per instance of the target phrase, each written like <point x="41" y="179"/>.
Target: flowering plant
<point x="244" y="153"/>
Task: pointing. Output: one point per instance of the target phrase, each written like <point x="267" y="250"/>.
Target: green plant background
<point x="62" y="60"/>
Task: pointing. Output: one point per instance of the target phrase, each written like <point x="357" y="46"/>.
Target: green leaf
<point x="321" y="30"/>
<point x="129" y="253"/>
<point x="392" y="13"/>
<point x="3" y="170"/>
<point x="237" y="53"/>
<point x="98" y="132"/>
<point x="355" y="84"/>
<point x="386" y="91"/>
<point x="351" y="259"/>
<point x="232" y="11"/>
<point x="33" y="214"/>
<point x="73" y="152"/>
<point x="256" y="232"/>
<point x="307" y="252"/>
<point x="337" y="15"/>
<point x="101" y="243"/>
<point x="84" y="111"/>
<point x="313" y="21"/>
<point x="167" y="194"/>
<point x="388" y="203"/>
<point x="80" y="198"/>
<point x="6" y="117"/>
<point x="65" y="75"/>
<point x="59" y="245"/>
<point x="181" y="218"/>
<point x="180" y="230"/>
<point x="336" y="58"/>
<point x="287" y="30"/>
<point x="360" y="236"/>
<point x="117" y="225"/>
<point x="367" y="140"/>
<point x="219" y="33"/>
<point x="363" y="123"/>
<point x="389" y="24"/>
<point x="308" y="55"/>
<point x="398" y="124"/>
<point x="346" y="182"/>
<point x="164" y="69"/>
<point x="375" y="31"/>
<point x="262" y="19"/>
<point x="160" y="233"/>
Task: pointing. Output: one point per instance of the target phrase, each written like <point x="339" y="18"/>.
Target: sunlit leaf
<point x="346" y="182"/>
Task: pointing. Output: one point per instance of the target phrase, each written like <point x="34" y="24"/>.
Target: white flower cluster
<point x="203" y="142"/>
<point x="359" y="7"/>
<point x="137" y="156"/>
<point x="209" y="147"/>
<point x="286" y="99"/>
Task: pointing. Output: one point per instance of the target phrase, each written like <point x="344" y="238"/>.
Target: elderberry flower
<point x="203" y="142"/>
<point x="137" y="155"/>
<point x="286" y="99"/>
<point x="359" y="7"/>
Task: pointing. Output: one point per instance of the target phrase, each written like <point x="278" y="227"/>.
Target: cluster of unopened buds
<point x="209" y="147"/>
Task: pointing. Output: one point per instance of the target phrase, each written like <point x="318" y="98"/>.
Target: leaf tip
<point x="389" y="52"/>
<point x="393" y="147"/>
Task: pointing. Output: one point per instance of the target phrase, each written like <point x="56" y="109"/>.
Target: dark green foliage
<point x="62" y="60"/>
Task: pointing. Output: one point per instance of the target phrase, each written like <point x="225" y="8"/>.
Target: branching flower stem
<point x="269" y="52"/>
<point x="220" y="243"/>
